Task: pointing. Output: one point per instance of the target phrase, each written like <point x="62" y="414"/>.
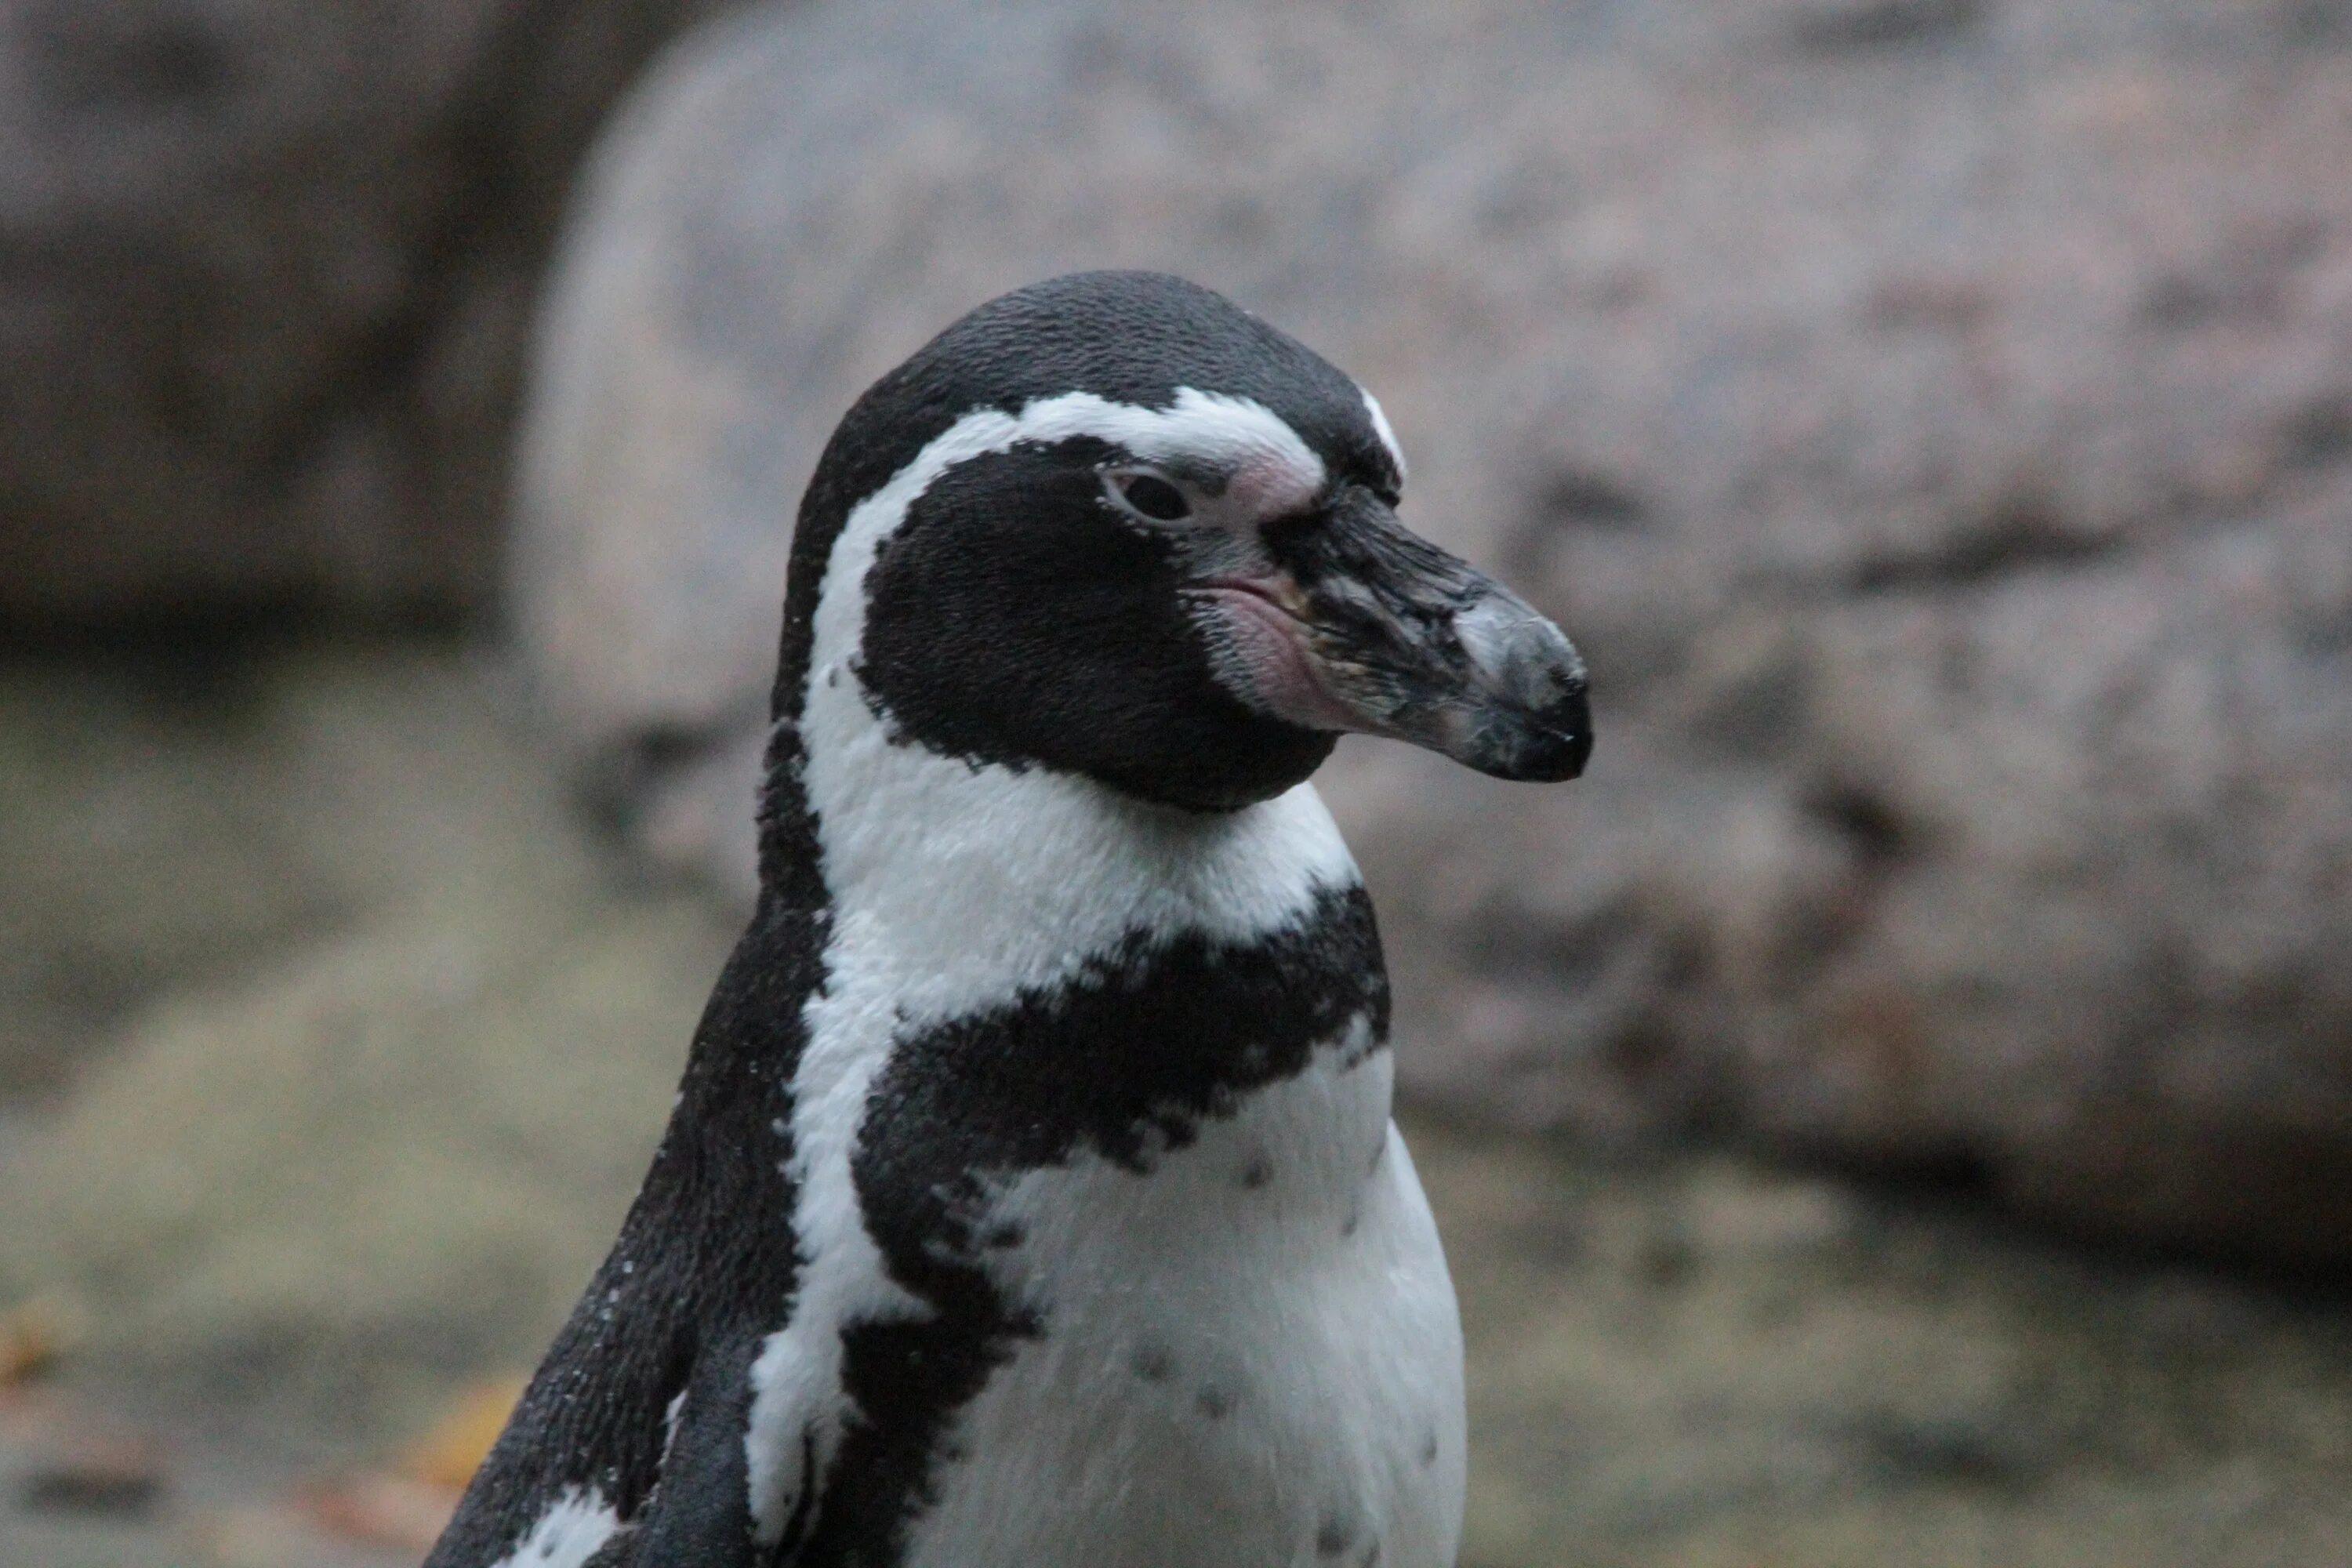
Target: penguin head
<point x="1111" y="524"/>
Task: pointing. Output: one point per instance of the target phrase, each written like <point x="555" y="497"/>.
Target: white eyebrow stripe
<point x="1211" y="426"/>
<point x="1384" y="430"/>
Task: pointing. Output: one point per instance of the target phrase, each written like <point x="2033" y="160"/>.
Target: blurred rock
<point x="1932" y="418"/>
<point x="265" y="274"/>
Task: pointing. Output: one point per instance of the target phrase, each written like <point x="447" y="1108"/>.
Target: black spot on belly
<point x="1355" y="1217"/>
<point x="1258" y="1173"/>
<point x="1334" y="1535"/>
<point x="1214" y="1402"/>
<point x="1152" y="1363"/>
<point x="1428" y="1448"/>
<point x="1004" y="1233"/>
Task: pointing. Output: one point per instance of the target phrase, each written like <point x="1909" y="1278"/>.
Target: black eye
<point x="1154" y="497"/>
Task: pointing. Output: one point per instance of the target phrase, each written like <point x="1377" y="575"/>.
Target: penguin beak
<point x="1359" y="625"/>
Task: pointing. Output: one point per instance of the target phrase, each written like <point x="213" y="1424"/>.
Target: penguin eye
<point x="1148" y="496"/>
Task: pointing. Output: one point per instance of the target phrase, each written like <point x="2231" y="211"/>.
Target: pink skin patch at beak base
<point x="1266" y="642"/>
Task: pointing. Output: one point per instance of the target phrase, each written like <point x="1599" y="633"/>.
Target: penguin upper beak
<point x="1361" y="624"/>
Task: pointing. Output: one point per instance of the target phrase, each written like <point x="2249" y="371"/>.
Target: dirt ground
<point x="331" y="1043"/>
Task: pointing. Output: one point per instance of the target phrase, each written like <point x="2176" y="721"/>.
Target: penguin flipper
<point x="584" y="1446"/>
<point x="701" y="1512"/>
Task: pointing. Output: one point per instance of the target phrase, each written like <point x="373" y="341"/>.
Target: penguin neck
<point x="971" y="883"/>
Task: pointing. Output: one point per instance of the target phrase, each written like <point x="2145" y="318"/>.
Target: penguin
<point x="1031" y="1197"/>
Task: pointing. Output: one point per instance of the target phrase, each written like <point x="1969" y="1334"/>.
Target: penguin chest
<point x="1245" y="1352"/>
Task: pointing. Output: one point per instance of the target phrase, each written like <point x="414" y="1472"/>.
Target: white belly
<point x="1250" y="1356"/>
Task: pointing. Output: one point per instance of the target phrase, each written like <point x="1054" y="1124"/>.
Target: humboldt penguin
<point x="1032" y="1198"/>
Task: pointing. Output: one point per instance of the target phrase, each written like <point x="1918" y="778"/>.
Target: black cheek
<point x="1012" y="622"/>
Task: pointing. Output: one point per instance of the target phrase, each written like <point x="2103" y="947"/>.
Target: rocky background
<point x="265" y="270"/>
<point x="1934" y="421"/>
<point x="1933" y="418"/>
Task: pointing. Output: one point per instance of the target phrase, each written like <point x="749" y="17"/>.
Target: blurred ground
<point x="331" y="1045"/>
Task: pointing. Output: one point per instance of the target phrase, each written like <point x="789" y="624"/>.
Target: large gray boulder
<point x="266" y="273"/>
<point x="1933" y="420"/>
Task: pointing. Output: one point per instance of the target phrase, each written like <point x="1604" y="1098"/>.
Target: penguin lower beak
<point x="1363" y="625"/>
